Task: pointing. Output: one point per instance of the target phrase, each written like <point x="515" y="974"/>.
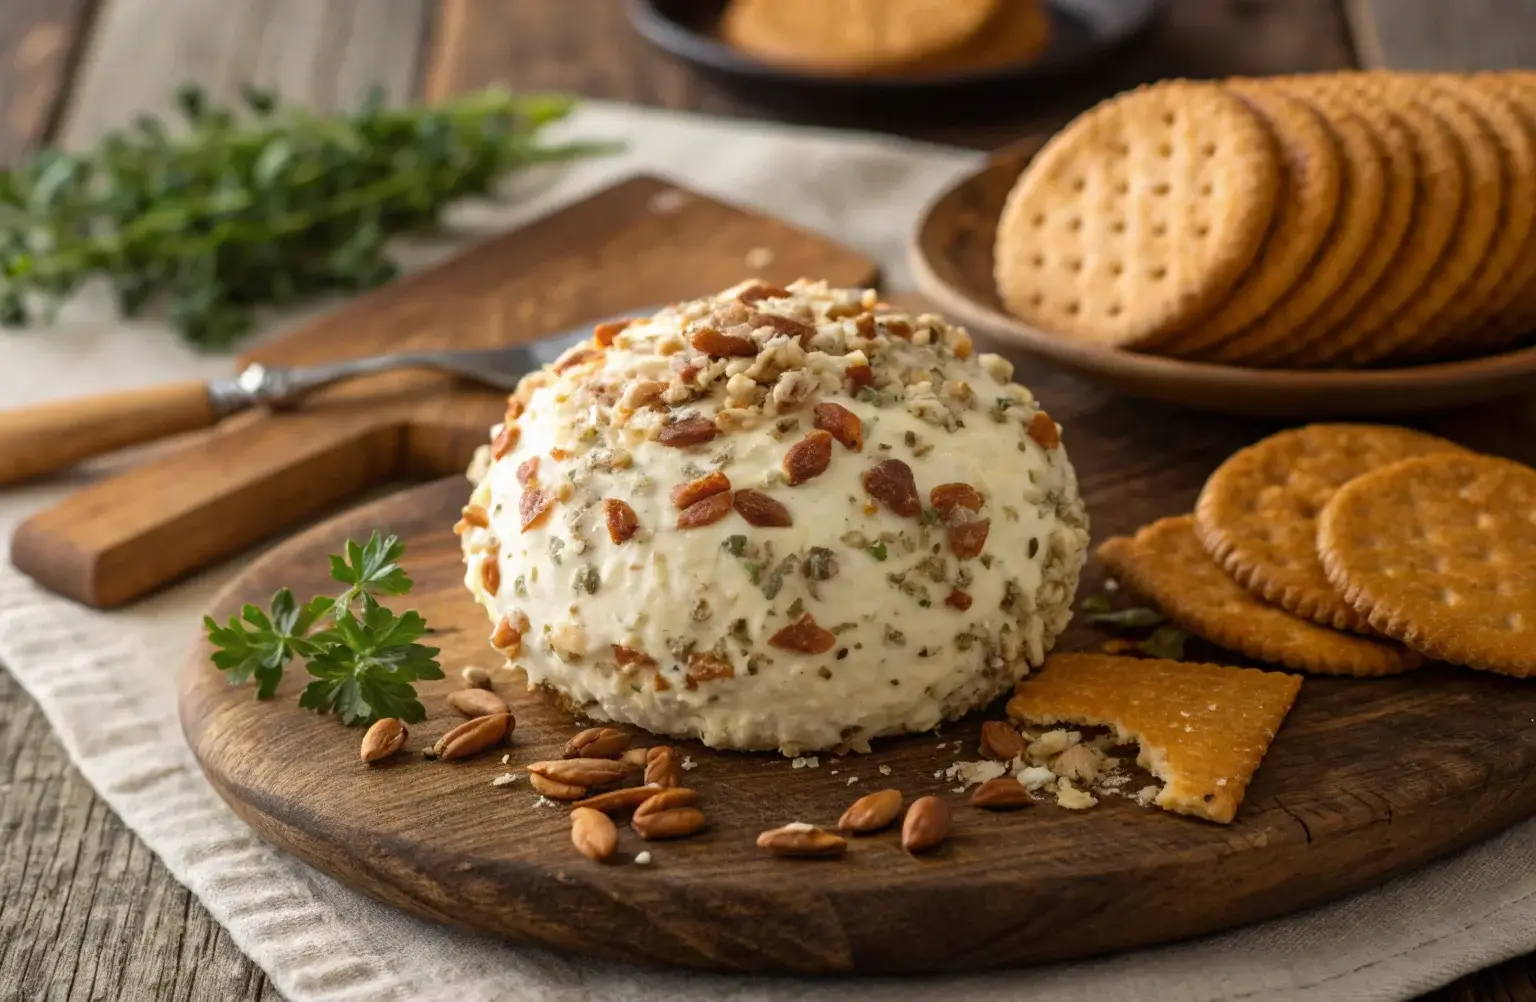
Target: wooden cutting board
<point x="1366" y="779"/>
<point x="641" y="242"/>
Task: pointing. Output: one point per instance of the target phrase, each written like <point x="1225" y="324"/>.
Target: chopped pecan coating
<point x="783" y="325"/>
<point x="704" y="666"/>
<point x="505" y="440"/>
<point x="808" y="457"/>
<point x="621" y="519"/>
<point x="688" y="431"/>
<point x="628" y="657"/>
<point x="579" y="356"/>
<point x="951" y="499"/>
<point x="761" y="510"/>
<point x="713" y="342"/>
<point x="687" y="494"/>
<point x="958" y="599"/>
<point x="967" y="539"/>
<point x="842" y="424"/>
<point x="604" y="334"/>
<point x="528" y="470"/>
<point x="805" y="636"/>
<point x="534" y="507"/>
<point x="761" y="290"/>
<point x="1044" y="431"/>
<point x="890" y="482"/>
<point x="705" y="512"/>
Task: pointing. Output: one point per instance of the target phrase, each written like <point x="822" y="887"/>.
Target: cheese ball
<point x="775" y="518"/>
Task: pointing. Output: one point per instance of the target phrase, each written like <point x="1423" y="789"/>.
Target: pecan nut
<point x="473" y="736"/>
<point x="842" y="424"/>
<point x="626" y="798"/>
<point x="967" y="539"/>
<point x="687" y="432"/>
<point x="621" y="519"/>
<point x="949" y="499"/>
<point x="808" y="457"/>
<point x="533" y="507"/>
<point x="663" y="767"/>
<point x="597" y="742"/>
<point x="582" y="771"/>
<point x="713" y="342"/>
<point x="706" y="512"/>
<point x="547" y="787"/>
<point x="926" y="825"/>
<point x="872" y="812"/>
<point x="680" y="822"/>
<point x="1000" y="742"/>
<point x="593" y="833"/>
<point x="1045" y="432"/>
<point x="804" y="635"/>
<point x="694" y="491"/>
<point x="761" y="510"/>
<point x="890" y="482"/>
<point x="385" y="738"/>
<point x="802" y="840"/>
<point x="1002" y="794"/>
<point x="477" y="702"/>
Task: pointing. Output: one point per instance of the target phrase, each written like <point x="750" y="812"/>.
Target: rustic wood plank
<point x="39" y="40"/>
<point x="320" y="53"/>
<point x="1449" y="35"/>
<point x="85" y="910"/>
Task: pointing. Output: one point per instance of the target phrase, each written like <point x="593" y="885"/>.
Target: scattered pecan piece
<point x="679" y="822"/>
<point x="515" y="408"/>
<point x="896" y="327"/>
<point x="604" y="334"/>
<point x="475" y="515"/>
<point x="490" y="573"/>
<point x="804" y="635"/>
<point x="808" y="457"/>
<point x="636" y="757"/>
<point x="626" y="798"/>
<point x="967" y="539"/>
<point x="761" y="510"/>
<point x="533" y="507"/>
<point x="555" y="790"/>
<point x="706" y="512"/>
<point x="688" y="431"/>
<point x="477" y="702"/>
<point x="597" y="742"/>
<point x="384" y="738"/>
<point x="859" y="376"/>
<point x="505" y="440"/>
<point x="761" y="290"/>
<point x="628" y="657"/>
<point x="713" y="342"/>
<point x="842" y="311"/>
<point x="582" y="771"/>
<point x="668" y="799"/>
<point x="890" y="482"/>
<point x="578" y="356"/>
<point x="1000" y="742"/>
<point x="927" y="824"/>
<point x="1044" y="431"/>
<point x="704" y="666"/>
<point x="622" y="521"/>
<point x="781" y="324"/>
<point x="949" y="499"/>
<point x="473" y="736"/>
<point x="871" y="812"/>
<point x="1001" y="794"/>
<point x="842" y="424"/>
<point x="593" y="834"/>
<point x="662" y="767"/>
<point x="958" y="599"/>
<point x="864" y="324"/>
<point x="528" y="470"/>
<point x="801" y="840"/>
<point x="694" y="491"/>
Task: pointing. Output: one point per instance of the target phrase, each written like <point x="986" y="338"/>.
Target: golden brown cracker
<point x="1441" y="176"/>
<point x="1139" y="216"/>
<point x="1308" y="205"/>
<point x="853" y="36"/>
<point x="1317" y="339"/>
<point x="1166" y="562"/>
<point x="1018" y="33"/>
<point x="1472" y="237"/>
<point x="1202" y="729"/>
<point x="1257" y="514"/>
<point x="1440" y="553"/>
<point x="1363" y="203"/>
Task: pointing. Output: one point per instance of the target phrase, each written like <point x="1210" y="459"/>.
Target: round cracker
<point x="1257" y="513"/>
<point x="1473" y="235"/>
<point x="1314" y="342"/>
<point x="1506" y="134"/>
<point x="1166" y="562"/>
<point x="1438" y="552"/>
<point x="1309" y="202"/>
<point x="1442" y="179"/>
<point x="1139" y="216"/>
<point x="853" y="36"/>
<point x="1363" y="201"/>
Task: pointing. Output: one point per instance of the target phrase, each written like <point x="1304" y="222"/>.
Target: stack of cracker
<point x="1351" y="550"/>
<point x="1328" y="221"/>
<point x="875" y="38"/>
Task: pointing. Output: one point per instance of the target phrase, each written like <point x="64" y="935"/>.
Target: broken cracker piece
<point x="1166" y="562"/>
<point x="1202" y="729"/>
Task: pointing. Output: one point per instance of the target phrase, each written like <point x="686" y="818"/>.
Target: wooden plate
<point x="951" y="255"/>
<point x="1367" y="779"/>
<point x="1083" y="31"/>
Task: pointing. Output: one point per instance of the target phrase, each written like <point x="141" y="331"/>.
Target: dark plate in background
<point x="1083" y="32"/>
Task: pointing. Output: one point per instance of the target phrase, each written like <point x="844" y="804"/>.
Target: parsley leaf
<point x="1134" y="618"/>
<point x="372" y="568"/>
<point x="1165" y="642"/>
<point x="259" y="644"/>
<point x="364" y="667"/>
<point x="1096" y="603"/>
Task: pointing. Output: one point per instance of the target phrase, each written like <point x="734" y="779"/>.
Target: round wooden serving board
<point x="1367" y="779"/>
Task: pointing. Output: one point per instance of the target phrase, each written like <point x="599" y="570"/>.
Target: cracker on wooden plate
<point x="1166" y="563"/>
<point x="1440" y="553"/>
<point x="1138" y="217"/>
<point x="1474" y="231"/>
<point x="1257" y="514"/>
<point x="853" y="36"/>
<point x="1436" y="219"/>
<point x="1304" y="215"/>
<point x="1318" y="338"/>
<point x="1505" y="133"/>
<point x="1364" y="191"/>
<point x="1202" y="729"/>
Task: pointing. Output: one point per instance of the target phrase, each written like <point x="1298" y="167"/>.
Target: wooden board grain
<point x="1367" y="779"/>
<point x="641" y="242"/>
<point x="39" y="42"/>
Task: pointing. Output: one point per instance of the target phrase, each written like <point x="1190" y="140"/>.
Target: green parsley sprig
<point x="363" y="662"/>
<point x="265" y="207"/>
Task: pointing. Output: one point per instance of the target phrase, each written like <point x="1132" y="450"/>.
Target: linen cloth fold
<point x="107" y="683"/>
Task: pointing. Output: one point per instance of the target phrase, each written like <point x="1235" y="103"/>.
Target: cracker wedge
<point x="1138" y="217"/>
<point x="1166" y="563"/>
<point x="1202" y="729"/>
<point x="1440" y="553"/>
<point x="1257" y="514"/>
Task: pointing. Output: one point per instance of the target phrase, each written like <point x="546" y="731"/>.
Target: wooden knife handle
<point x="48" y="437"/>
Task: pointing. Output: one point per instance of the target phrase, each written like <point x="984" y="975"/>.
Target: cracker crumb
<point x="971" y="773"/>
<point x="689" y="764"/>
<point x="805" y="762"/>
<point x="1035" y="777"/>
<point x="544" y="801"/>
<point x="642" y="858"/>
<point x="1052" y="743"/>
<point x="759" y="257"/>
<point x="1111" y="585"/>
<point x="504" y="779"/>
<point x="852" y="780"/>
<point x="885" y="770"/>
<point x="1071" y="798"/>
<point x="1146" y="795"/>
<point x="507" y="758"/>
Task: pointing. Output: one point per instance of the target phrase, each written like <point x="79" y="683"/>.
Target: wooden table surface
<point x="85" y="910"/>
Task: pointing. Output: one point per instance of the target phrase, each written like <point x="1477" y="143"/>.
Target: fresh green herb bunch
<point x="266" y="208"/>
<point x="363" y="662"/>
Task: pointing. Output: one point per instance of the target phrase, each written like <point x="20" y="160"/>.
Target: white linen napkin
<point x="107" y="682"/>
